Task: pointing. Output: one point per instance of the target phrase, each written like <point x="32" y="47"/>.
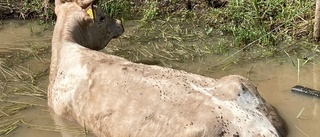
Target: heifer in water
<point x="114" y="97"/>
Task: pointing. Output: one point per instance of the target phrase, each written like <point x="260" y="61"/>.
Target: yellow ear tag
<point x="91" y="12"/>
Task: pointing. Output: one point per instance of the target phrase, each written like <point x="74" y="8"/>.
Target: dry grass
<point x="6" y="129"/>
<point x="170" y="42"/>
<point x="68" y="128"/>
<point x="302" y="131"/>
<point x="18" y="81"/>
<point x="23" y="75"/>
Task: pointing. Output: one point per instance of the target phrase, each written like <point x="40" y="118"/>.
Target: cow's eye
<point x="102" y="18"/>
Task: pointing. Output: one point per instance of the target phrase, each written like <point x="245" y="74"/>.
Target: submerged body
<point x="114" y="97"/>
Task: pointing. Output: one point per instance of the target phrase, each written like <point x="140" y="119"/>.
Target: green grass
<point x="269" y="26"/>
<point x="151" y="11"/>
<point x="268" y="22"/>
<point x="117" y="8"/>
<point x="37" y="9"/>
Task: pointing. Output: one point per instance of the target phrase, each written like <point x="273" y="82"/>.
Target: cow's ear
<point x="87" y="19"/>
<point x="57" y="4"/>
<point x="91" y="12"/>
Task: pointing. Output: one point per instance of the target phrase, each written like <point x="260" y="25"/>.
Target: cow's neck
<point x="67" y="30"/>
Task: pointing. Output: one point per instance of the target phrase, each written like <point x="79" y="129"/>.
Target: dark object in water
<point x="149" y="62"/>
<point x="305" y="90"/>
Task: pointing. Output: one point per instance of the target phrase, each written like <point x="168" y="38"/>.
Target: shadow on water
<point x="25" y="59"/>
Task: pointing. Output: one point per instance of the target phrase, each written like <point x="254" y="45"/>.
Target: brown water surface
<point x="25" y="59"/>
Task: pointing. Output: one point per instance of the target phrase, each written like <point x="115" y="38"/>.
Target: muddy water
<point x="274" y="81"/>
<point x="25" y="58"/>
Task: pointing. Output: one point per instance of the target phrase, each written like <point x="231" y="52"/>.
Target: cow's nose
<point x="119" y="27"/>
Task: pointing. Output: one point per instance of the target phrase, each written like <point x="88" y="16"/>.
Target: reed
<point x="18" y="81"/>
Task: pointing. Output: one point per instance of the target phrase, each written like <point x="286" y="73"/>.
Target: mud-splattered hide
<point x="114" y="97"/>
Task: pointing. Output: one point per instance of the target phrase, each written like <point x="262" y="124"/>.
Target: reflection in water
<point x="273" y="79"/>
